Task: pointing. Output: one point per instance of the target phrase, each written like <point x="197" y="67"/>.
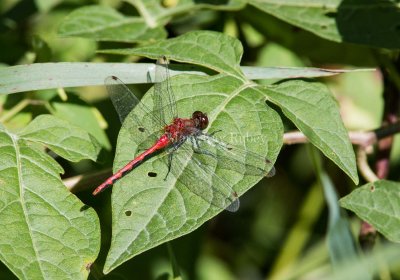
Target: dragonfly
<point x="192" y="154"/>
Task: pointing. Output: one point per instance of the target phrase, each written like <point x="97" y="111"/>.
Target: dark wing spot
<point x="372" y="188"/>
<point x="142" y="129"/>
<point x="152" y="174"/>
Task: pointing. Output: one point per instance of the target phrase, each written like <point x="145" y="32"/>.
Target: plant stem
<point x="16" y="109"/>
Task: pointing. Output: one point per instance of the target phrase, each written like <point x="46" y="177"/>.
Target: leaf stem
<point x="361" y="138"/>
<point x="175" y="267"/>
<point x="16" y="109"/>
<point x="364" y="140"/>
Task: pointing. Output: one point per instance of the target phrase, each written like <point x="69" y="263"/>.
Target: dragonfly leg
<point x="198" y="150"/>
<point x="204" y="152"/>
<point x="170" y="155"/>
<point x="213" y="133"/>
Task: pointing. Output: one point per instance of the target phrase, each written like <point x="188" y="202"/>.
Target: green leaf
<point x="341" y="21"/>
<point x="69" y="74"/>
<point x="148" y="211"/>
<point x="155" y="13"/>
<point x="341" y="243"/>
<point x="213" y="50"/>
<point x="66" y="140"/>
<point x="65" y="74"/>
<point x="378" y="204"/>
<point x="76" y="110"/>
<point x="105" y="24"/>
<point x="40" y="217"/>
<point x="312" y="108"/>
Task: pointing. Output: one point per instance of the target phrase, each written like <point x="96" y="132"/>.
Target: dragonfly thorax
<point x="179" y="128"/>
<point x="182" y="128"/>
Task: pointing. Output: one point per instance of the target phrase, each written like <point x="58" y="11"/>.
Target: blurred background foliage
<point x="280" y="231"/>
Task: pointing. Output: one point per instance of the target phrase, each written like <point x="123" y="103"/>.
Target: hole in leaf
<point x="88" y="265"/>
<point x="331" y="15"/>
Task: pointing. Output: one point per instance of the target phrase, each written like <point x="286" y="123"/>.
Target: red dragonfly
<point x="192" y="154"/>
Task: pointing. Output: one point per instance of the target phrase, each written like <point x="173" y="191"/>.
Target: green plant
<point x="49" y="232"/>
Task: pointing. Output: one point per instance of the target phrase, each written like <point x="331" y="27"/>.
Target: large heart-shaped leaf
<point x="147" y="210"/>
<point x="45" y="231"/>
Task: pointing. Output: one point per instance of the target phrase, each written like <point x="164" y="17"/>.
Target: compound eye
<point x="200" y="119"/>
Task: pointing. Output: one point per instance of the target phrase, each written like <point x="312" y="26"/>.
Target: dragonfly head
<point x="200" y="119"/>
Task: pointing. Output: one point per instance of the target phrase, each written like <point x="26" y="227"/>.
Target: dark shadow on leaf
<point x="213" y="2"/>
<point x="84" y="208"/>
<point x="164" y="276"/>
<point x="187" y="68"/>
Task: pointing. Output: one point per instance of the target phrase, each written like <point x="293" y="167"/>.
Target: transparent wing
<point x="231" y="157"/>
<point x="198" y="175"/>
<point x="124" y="101"/>
<point x="195" y="164"/>
<point x="121" y="96"/>
<point x="164" y="100"/>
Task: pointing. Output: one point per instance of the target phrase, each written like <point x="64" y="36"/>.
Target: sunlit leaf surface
<point x="46" y="232"/>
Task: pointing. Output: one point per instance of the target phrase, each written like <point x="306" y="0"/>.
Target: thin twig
<point x="361" y="138"/>
<point x="363" y="166"/>
<point x="364" y="139"/>
<point x="19" y="107"/>
<point x="16" y="109"/>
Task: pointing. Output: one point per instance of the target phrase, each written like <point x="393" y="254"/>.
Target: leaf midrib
<point x="14" y="139"/>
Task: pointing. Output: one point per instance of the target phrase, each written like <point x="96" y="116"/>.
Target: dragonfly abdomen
<point x="160" y="144"/>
